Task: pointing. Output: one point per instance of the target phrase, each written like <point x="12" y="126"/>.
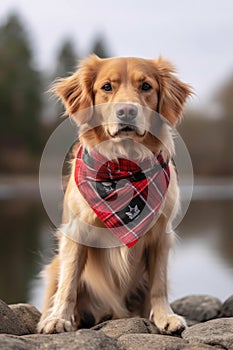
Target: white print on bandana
<point x="133" y="212"/>
<point x="108" y="186"/>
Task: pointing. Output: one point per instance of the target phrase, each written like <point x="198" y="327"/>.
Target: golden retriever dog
<point x="124" y="108"/>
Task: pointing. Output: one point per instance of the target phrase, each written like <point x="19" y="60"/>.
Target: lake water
<point x="201" y="263"/>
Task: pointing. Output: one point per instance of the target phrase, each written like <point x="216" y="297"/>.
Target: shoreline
<point x="27" y="186"/>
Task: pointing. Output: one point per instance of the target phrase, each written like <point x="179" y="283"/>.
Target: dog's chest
<point x="116" y="269"/>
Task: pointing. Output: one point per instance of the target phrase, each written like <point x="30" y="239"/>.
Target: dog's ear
<point x="76" y="91"/>
<point x="173" y="92"/>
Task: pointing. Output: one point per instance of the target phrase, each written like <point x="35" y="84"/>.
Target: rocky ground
<point x="210" y="327"/>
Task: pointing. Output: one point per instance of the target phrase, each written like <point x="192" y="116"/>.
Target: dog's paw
<point x="54" y="325"/>
<point x="170" y="324"/>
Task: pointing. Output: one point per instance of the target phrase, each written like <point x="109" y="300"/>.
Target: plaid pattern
<point x="124" y="195"/>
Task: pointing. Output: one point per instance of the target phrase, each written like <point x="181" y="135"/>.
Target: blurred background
<point x="40" y="40"/>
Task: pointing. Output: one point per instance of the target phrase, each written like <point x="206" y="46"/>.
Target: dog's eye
<point x="107" y="87"/>
<point x="146" y="87"/>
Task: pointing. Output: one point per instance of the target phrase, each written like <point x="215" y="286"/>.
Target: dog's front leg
<point x="161" y="312"/>
<point x="60" y="317"/>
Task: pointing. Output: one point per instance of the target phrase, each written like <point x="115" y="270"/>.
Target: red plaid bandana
<point x="124" y="195"/>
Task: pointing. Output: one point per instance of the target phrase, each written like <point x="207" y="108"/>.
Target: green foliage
<point x="20" y="91"/>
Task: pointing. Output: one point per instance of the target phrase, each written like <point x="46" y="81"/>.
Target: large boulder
<point x="13" y="342"/>
<point x="29" y="316"/>
<point x="227" y="307"/>
<point x="82" y="340"/>
<point x="150" y="342"/>
<point x="116" y="328"/>
<point x="217" y="332"/>
<point x="10" y="323"/>
<point x="199" y="308"/>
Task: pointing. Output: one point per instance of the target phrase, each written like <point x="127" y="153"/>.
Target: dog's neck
<point x="126" y="148"/>
<point x="129" y="148"/>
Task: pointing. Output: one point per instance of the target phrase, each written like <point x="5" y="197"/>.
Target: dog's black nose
<point x="126" y="111"/>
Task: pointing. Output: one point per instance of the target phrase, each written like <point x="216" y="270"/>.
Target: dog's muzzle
<point x="126" y="112"/>
<point x="126" y="115"/>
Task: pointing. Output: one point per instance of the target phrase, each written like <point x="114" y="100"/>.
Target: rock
<point x="217" y="332"/>
<point x="190" y="322"/>
<point x="19" y="321"/>
<point x="28" y="315"/>
<point x="227" y="308"/>
<point x="199" y="308"/>
<point x="9" y="321"/>
<point x="82" y="340"/>
<point x="150" y="342"/>
<point x="13" y="342"/>
<point x="116" y="328"/>
<point x="200" y="347"/>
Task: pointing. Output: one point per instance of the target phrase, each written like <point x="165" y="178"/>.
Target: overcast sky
<point x="196" y="35"/>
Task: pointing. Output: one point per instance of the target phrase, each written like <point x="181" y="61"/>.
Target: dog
<point x="125" y="108"/>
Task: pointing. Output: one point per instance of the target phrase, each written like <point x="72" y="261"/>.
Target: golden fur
<point x="87" y="284"/>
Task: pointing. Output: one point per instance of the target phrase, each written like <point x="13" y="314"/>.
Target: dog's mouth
<point x="125" y="130"/>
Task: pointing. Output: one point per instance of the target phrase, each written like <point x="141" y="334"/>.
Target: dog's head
<point x="119" y="96"/>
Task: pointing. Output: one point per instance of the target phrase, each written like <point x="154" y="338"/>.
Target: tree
<point x="225" y="99"/>
<point x="66" y="60"/>
<point x="99" y="48"/>
<point x="20" y="89"/>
